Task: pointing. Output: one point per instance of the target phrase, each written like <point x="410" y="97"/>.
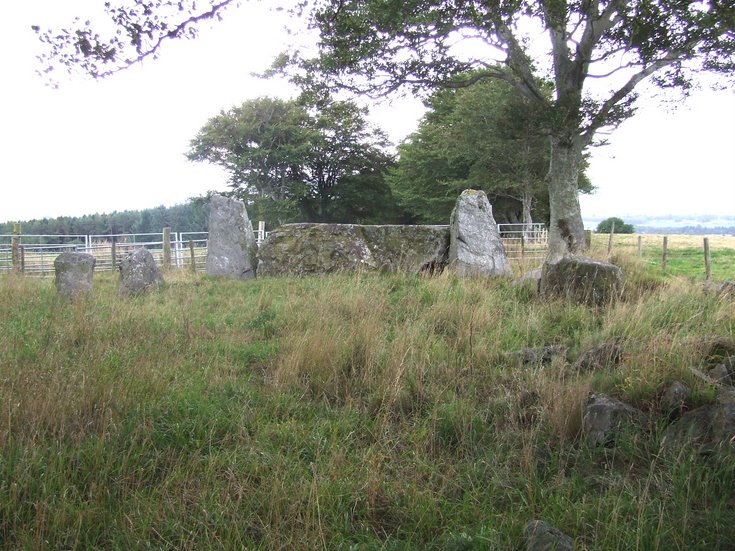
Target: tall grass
<point x="349" y="412"/>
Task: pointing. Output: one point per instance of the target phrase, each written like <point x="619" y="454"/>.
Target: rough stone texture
<point x="721" y="374"/>
<point x="531" y="279"/>
<point x="600" y="357"/>
<point x="706" y="428"/>
<point x="604" y="417"/>
<point x="726" y="289"/>
<point x="139" y="273"/>
<point x="541" y="355"/>
<point x="315" y="249"/>
<point x="475" y="247"/>
<point x="541" y="536"/>
<point x="675" y="398"/>
<point x="581" y="279"/>
<point x="232" y="245"/>
<point x="74" y="272"/>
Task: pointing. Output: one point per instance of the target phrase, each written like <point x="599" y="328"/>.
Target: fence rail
<point x="34" y="254"/>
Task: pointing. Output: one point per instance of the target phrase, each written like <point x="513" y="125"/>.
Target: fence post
<point x="665" y="254"/>
<point x="587" y="239"/>
<point x="193" y="257"/>
<point x="167" y="248"/>
<point x="261" y="231"/>
<point x="113" y="251"/>
<point x="640" y="246"/>
<point x="610" y="239"/>
<point x="707" y="260"/>
<point x="23" y="259"/>
<point x="15" y="249"/>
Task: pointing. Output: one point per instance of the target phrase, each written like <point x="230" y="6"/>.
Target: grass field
<point x="351" y="412"/>
<point x="685" y="253"/>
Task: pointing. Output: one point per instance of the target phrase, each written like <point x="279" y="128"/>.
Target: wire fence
<point x="33" y="254"/>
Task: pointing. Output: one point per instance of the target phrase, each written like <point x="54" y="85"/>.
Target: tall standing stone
<point x="139" y="273"/>
<point x="475" y="247"/>
<point x="74" y="273"/>
<point x="232" y="246"/>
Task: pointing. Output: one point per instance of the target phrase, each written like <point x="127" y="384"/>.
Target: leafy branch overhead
<point x="135" y="31"/>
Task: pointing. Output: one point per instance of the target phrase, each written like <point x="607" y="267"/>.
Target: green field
<point x="349" y="412"/>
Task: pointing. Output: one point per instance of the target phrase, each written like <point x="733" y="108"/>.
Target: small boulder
<point x="74" y="272"/>
<point x="475" y="247"/>
<point x="721" y="374"/>
<point x="706" y="428"/>
<point x="726" y="289"/>
<point x="541" y="536"/>
<point x="530" y="279"/>
<point x="232" y="246"/>
<point x="675" y="398"/>
<point x="600" y="357"/>
<point x="604" y="417"/>
<point x="139" y="273"/>
<point x="582" y="280"/>
<point x="541" y="354"/>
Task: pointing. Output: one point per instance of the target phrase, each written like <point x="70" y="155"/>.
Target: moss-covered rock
<point x="314" y="249"/>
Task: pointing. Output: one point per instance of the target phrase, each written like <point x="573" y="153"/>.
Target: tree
<point x="614" y="224"/>
<point x="318" y="161"/>
<point x="484" y="136"/>
<point x="378" y="46"/>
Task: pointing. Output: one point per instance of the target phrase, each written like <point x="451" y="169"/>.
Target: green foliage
<point x="607" y="225"/>
<point x="315" y="160"/>
<point x="190" y="216"/>
<point x="484" y="136"/>
<point x="357" y="412"/>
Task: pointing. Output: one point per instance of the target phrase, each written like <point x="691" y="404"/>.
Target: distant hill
<point x="690" y="224"/>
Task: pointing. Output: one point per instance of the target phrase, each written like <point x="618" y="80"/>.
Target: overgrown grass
<point x="350" y="412"/>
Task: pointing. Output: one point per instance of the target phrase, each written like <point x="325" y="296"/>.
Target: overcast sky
<point x="119" y="143"/>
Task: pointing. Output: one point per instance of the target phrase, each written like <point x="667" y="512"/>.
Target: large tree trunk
<point x="566" y="232"/>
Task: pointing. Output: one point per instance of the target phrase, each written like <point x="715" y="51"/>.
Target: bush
<point x="620" y="227"/>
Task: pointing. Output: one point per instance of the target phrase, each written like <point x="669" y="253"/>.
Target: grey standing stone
<point x="581" y="279"/>
<point x="475" y="247"/>
<point x="605" y="417"/>
<point x="74" y="273"/>
<point x="232" y="246"/>
<point x="541" y="536"/>
<point x="139" y="273"/>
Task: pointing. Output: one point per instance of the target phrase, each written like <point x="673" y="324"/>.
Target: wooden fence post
<point x="640" y="246"/>
<point x="193" y="257"/>
<point x="113" y="252"/>
<point x="167" y="248"/>
<point x="15" y="249"/>
<point x="587" y="239"/>
<point x="610" y="239"/>
<point x="665" y="254"/>
<point x="23" y="259"/>
<point x="707" y="260"/>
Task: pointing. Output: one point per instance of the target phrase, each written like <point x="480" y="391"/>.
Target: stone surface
<point x="74" y="272"/>
<point x="139" y="273"/>
<point x="530" y="279"/>
<point x="675" y="398"/>
<point x="541" y="536"/>
<point x="541" y="355"/>
<point x="721" y="374"/>
<point x="475" y="247"/>
<point x="604" y="417"/>
<point x="232" y="247"/>
<point x="582" y="280"/>
<point x="600" y="357"/>
<point x="316" y="249"/>
<point x="725" y="289"/>
<point x="706" y="428"/>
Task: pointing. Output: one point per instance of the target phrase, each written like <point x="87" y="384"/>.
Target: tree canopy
<point x="615" y="225"/>
<point x="378" y="46"/>
<point x="316" y="161"/>
<point x="485" y="136"/>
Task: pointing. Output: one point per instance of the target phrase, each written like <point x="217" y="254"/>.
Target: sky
<point x="119" y="143"/>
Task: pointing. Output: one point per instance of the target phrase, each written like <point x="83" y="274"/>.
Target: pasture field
<point x="685" y="253"/>
<point x="348" y="412"/>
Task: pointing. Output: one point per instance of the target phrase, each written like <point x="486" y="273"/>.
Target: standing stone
<point x="581" y="280"/>
<point x="232" y="245"/>
<point x="74" y="273"/>
<point x="475" y="247"/>
<point x="139" y="273"/>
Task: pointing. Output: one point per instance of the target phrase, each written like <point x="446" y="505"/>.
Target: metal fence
<point x="35" y="254"/>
